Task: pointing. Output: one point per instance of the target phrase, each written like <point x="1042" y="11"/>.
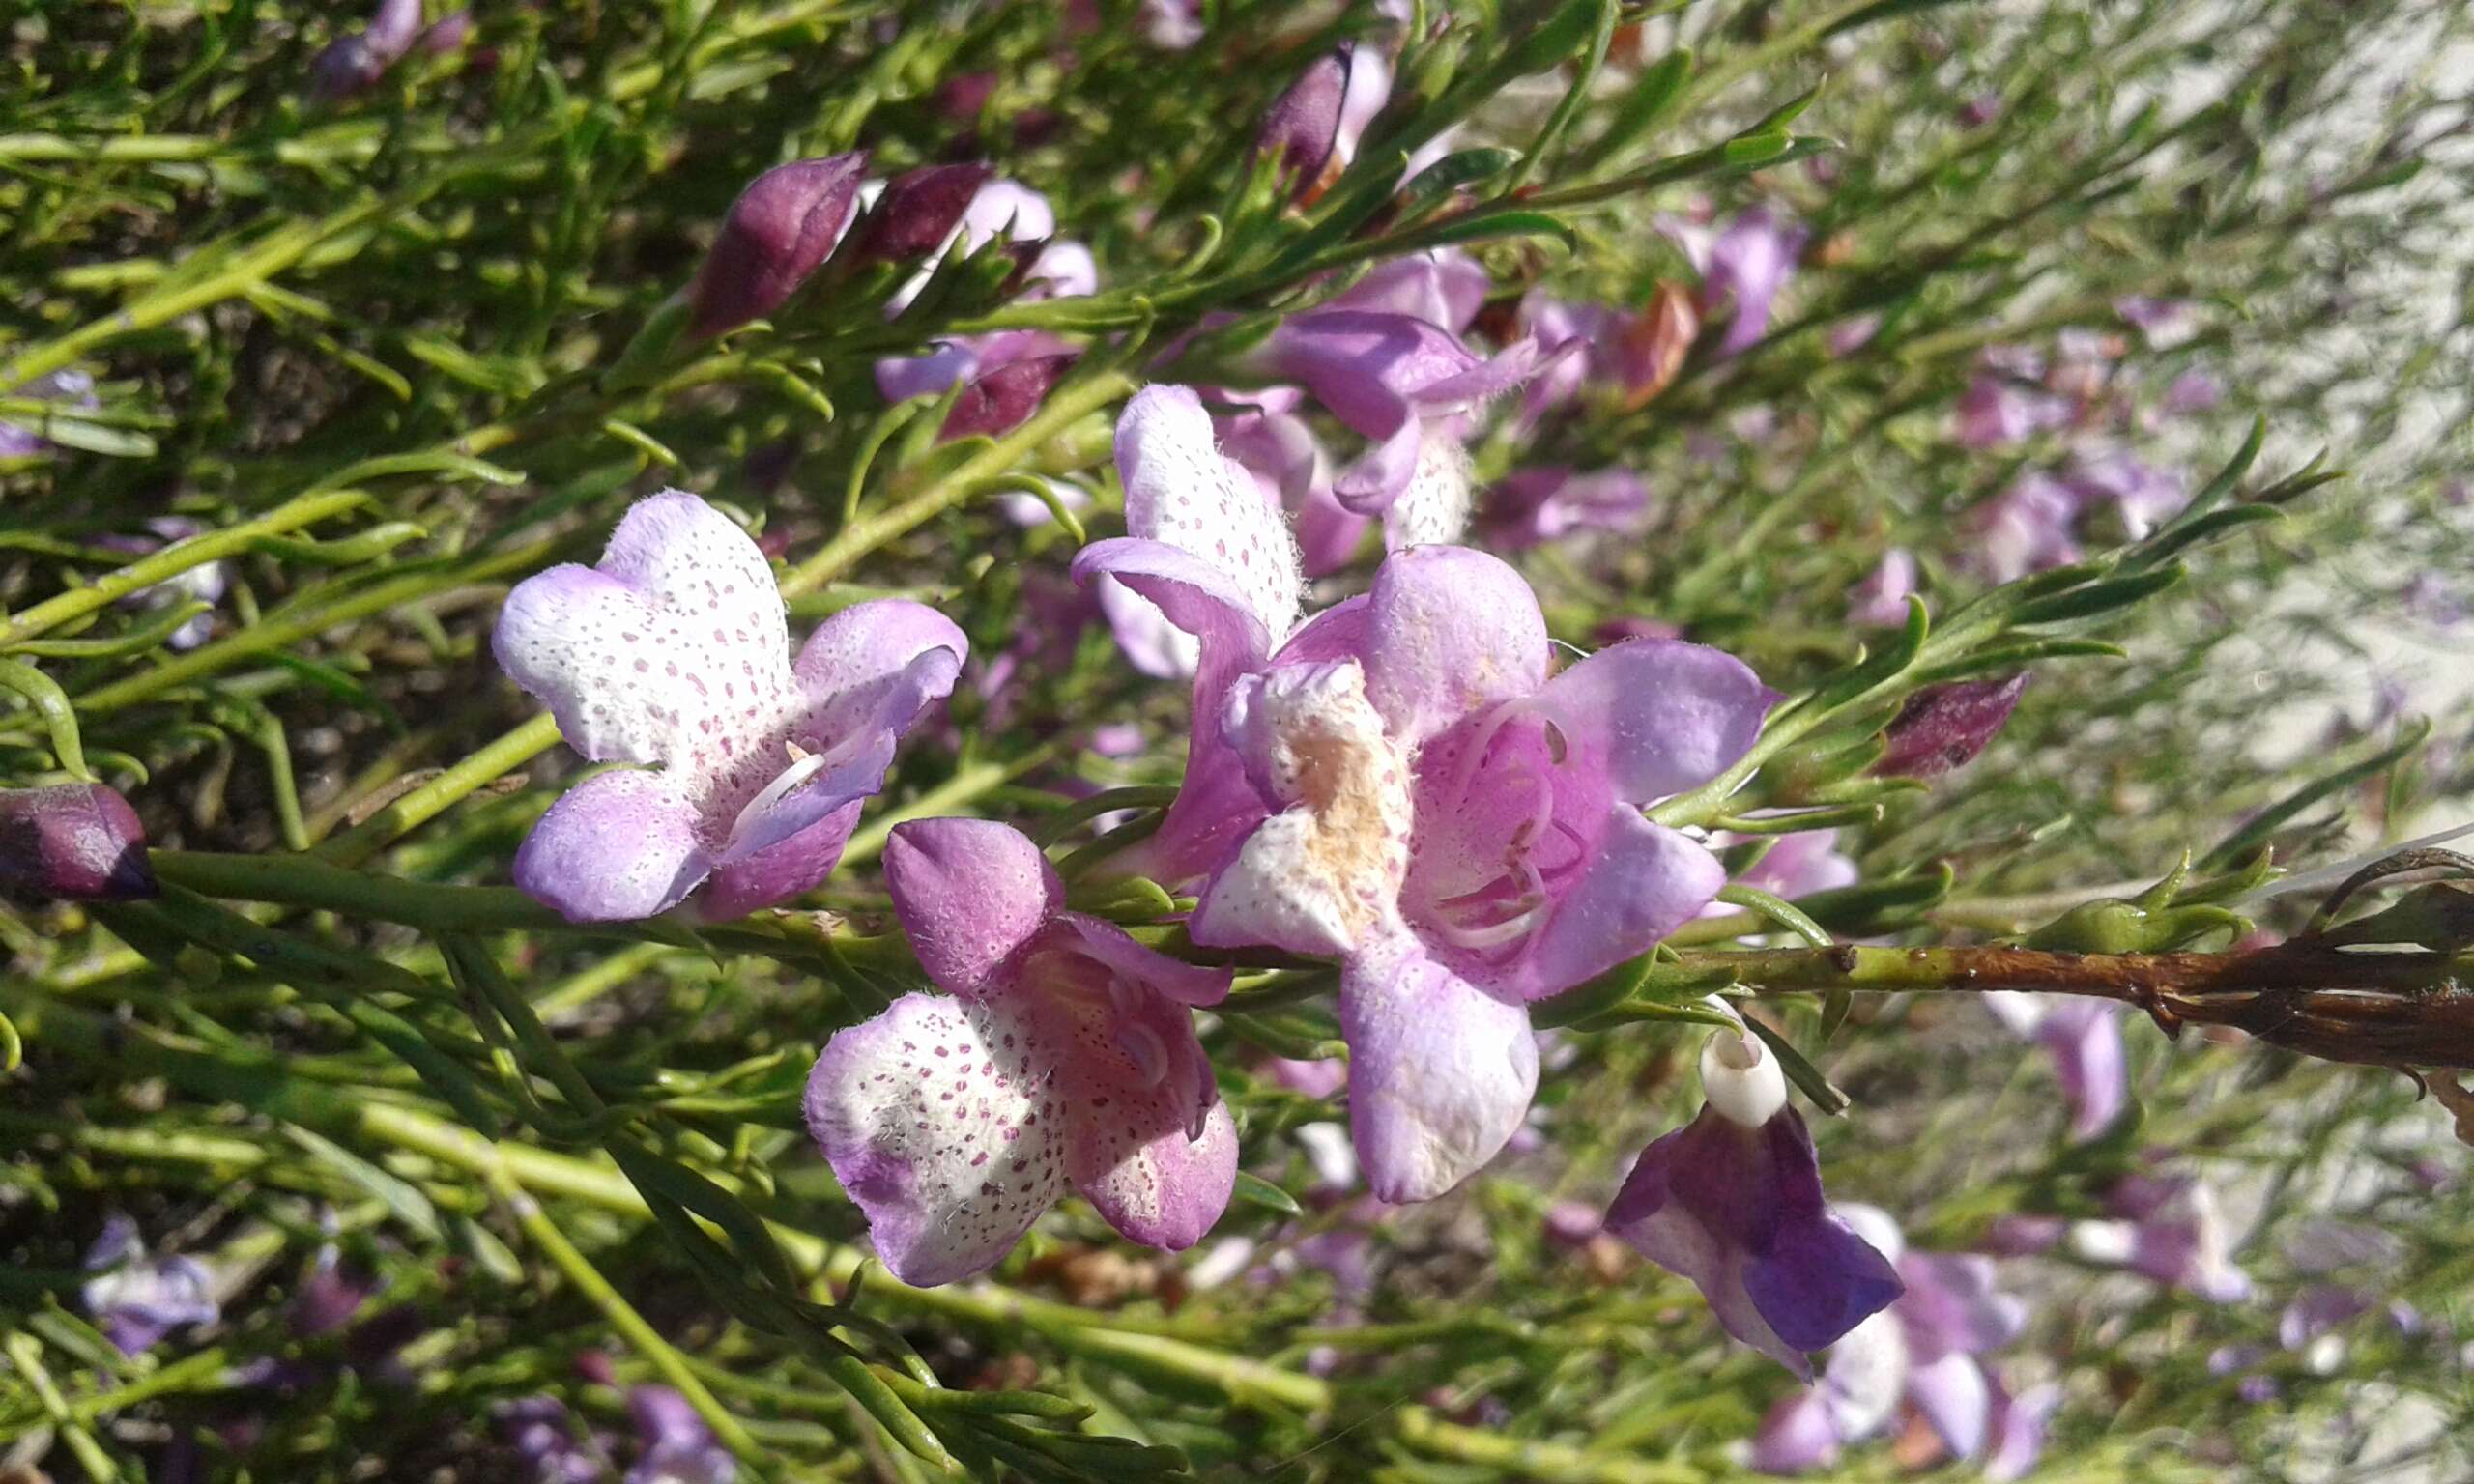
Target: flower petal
<point x="1440" y="1072"/>
<point x="1384" y="472"/>
<point x="2018" y="1431"/>
<point x="1659" y="1212"/>
<point x="1952" y="1305"/>
<point x="1645" y="881"/>
<point x="628" y="655"/>
<point x="788" y="866"/>
<point x="969" y="893"/>
<point x="615" y="848"/>
<point x="1659" y="716"/>
<point x="1148" y="1180"/>
<point x="2085" y="1040"/>
<point x="938" y="1120"/>
<point x="1797" y="1435"/>
<point x="1195" y="595"/>
<point x="1148" y="640"/>
<point x="1186" y="984"/>
<point x="1181" y="490"/>
<point x="1955" y="1396"/>
<point x="1449" y="630"/>
<point x="1435" y="506"/>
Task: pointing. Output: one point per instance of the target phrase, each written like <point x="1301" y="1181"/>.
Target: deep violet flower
<point x="1065" y="1058"/>
<point x="1531" y="506"/>
<point x="1733" y="1201"/>
<point x="1925" y="1351"/>
<point x="782" y="226"/>
<point x="674" y="651"/>
<point x="1880" y="600"/>
<point x="2083" y="1037"/>
<point x="137" y="1299"/>
<point x="76" y="841"/>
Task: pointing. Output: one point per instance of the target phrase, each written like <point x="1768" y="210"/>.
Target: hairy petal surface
<point x="1440" y="1072"/>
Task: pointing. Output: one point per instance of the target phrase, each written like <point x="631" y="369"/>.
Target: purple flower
<point x="1288" y="464"/>
<point x="1880" y="600"/>
<point x="674" y="651"/>
<point x="676" y="1446"/>
<point x="1065" y="1058"/>
<point x="1407" y="384"/>
<point x="355" y="63"/>
<point x="1996" y="411"/>
<point x="205" y="582"/>
<point x="1747" y="264"/>
<point x="1442" y="286"/>
<point x="2146" y="496"/>
<point x="2083" y="1037"/>
<point x="135" y="1299"/>
<point x="2026" y="529"/>
<point x="543" y="1433"/>
<point x="1981" y="110"/>
<point x="2169" y="1230"/>
<point x="1015" y="213"/>
<point x="76" y="842"/>
<point x="2151" y="314"/>
<point x="1404" y="786"/>
<point x="2018" y="1424"/>
<point x="2192" y="391"/>
<point x="1634" y="356"/>
<point x="1531" y="506"/>
<point x="1923" y="1352"/>
<point x="1945" y="726"/>
<point x="782" y="226"/>
<point x="1733" y="1201"/>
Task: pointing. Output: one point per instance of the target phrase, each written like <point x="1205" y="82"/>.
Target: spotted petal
<point x="680" y="625"/>
<point x="939" y="1121"/>
<point x="1180" y="489"/>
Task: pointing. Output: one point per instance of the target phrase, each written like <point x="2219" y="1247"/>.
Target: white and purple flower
<point x="1062" y="1056"/>
<point x="673" y="652"/>
<point x="137" y="1301"/>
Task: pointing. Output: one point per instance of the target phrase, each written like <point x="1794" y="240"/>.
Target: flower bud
<point x="918" y="213"/>
<point x="1945" y="726"/>
<point x="1302" y="124"/>
<point x="80" y="842"/>
<point x="1742" y="1079"/>
<point x="785" y="224"/>
<point x="1005" y="398"/>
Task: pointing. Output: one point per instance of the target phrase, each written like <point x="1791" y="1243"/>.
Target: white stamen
<point x="782" y="787"/>
<point x="1742" y="1079"/>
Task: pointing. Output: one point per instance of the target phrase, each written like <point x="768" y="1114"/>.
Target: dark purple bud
<point x="918" y="211"/>
<point x="784" y="224"/>
<point x="80" y="842"/>
<point x="330" y="1295"/>
<point x="1005" y="398"/>
<point x="1945" y="726"/>
<point x="1304" y="123"/>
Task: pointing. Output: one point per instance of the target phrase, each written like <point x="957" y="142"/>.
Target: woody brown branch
<point x="2411" y="1008"/>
